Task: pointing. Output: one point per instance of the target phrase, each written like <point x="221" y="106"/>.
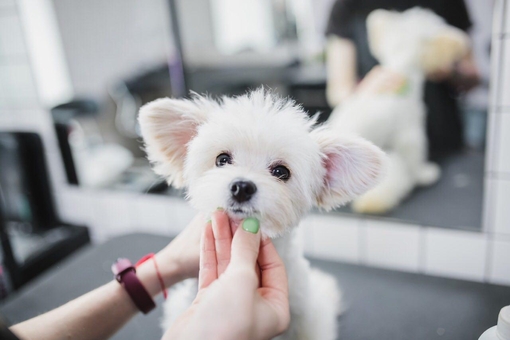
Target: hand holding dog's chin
<point x="180" y="259"/>
<point x="233" y="302"/>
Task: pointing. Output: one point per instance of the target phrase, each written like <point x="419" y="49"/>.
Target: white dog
<point x="410" y="44"/>
<point x="257" y="155"/>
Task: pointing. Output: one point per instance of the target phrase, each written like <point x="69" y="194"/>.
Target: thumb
<point x="246" y="244"/>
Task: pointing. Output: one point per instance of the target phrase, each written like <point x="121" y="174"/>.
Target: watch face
<point x="120" y="265"/>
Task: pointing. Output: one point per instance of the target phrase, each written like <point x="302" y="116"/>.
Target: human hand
<point x="440" y="74"/>
<point x="183" y="251"/>
<point x="466" y="75"/>
<point x="463" y="75"/>
<point x="178" y="261"/>
<point x="381" y="81"/>
<point x="231" y="302"/>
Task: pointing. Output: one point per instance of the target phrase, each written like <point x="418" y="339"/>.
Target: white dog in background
<point x="258" y="155"/>
<point x="410" y="44"/>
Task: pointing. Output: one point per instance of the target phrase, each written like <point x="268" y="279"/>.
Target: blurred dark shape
<point x="32" y="236"/>
<point x="63" y="115"/>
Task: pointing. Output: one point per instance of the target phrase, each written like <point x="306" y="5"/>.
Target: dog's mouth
<point x="241" y="212"/>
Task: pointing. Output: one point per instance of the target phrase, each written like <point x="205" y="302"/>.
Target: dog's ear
<point x="444" y="49"/>
<point x="167" y="126"/>
<point x="353" y="165"/>
<point x="377" y="24"/>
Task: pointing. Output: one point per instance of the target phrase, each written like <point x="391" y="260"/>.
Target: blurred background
<point x="73" y="75"/>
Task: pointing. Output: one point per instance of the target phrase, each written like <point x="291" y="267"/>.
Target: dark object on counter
<point x="63" y="115"/>
<point x="32" y="236"/>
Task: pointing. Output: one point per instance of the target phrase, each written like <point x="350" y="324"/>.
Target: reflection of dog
<point x="257" y="155"/>
<point x="410" y="44"/>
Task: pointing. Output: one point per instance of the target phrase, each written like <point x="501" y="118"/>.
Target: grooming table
<point x="380" y="304"/>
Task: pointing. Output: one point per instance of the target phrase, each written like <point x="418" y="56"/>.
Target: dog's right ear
<point x="444" y="49"/>
<point x="352" y="166"/>
<point x="167" y="126"/>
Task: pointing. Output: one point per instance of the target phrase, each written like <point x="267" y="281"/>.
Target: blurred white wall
<point x="107" y="40"/>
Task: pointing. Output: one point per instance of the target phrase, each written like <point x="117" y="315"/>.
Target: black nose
<point x="242" y="191"/>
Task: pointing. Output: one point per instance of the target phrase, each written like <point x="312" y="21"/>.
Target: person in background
<point x="349" y="60"/>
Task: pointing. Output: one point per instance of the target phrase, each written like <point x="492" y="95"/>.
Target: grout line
<point x="362" y="243"/>
<point x="503" y="18"/>
<point x="502" y="176"/>
<point x="487" y="208"/>
<point x="422" y="251"/>
<point x="488" y="257"/>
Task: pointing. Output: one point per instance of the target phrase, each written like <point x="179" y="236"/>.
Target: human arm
<point x="341" y="69"/>
<point x="232" y="303"/>
<point x="101" y="312"/>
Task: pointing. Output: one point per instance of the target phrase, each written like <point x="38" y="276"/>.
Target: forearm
<point x="95" y="315"/>
<point x="341" y="70"/>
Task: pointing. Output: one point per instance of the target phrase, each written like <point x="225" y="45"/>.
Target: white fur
<point x="411" y="43"/>
<point x="183" y="139"/>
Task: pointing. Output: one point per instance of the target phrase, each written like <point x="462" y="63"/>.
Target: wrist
<point x="148" y="276"/>
<point x="170" y="272"/>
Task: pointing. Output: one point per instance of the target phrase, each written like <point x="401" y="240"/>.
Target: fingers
<point x="245" y="245"/>
<point x="208" y="265"/>
<point x="222" y="240"/>
<point x="272" y="269"/>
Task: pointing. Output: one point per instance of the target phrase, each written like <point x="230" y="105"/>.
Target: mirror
<point x="120" y="56"/>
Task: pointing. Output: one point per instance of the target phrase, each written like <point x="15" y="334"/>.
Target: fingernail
<point x="219" y="208"/>
<point x="209" y="221"/>
<point x="251" y="225"/>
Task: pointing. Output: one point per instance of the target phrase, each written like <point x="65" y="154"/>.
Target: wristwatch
<point x="125" y="274"/>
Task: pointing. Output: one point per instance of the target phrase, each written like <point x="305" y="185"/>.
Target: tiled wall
<point x="460" y="254"/>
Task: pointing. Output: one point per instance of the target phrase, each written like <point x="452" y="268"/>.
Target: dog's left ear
<point x="353" y="165"/>
<point x="378" y="22"/>
<point x="167" y="126"/>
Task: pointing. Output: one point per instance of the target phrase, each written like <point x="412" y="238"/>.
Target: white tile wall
<point x="492" y="141"/>
<point x="500" y="262"/>
<point x="458" y="254"/>
<point x="392" y="245"/>
<point x="504" y="70"/>
<point x="506" y="27"/>
<point x="76" y="205"/>
<point x="502" y="207"/>
<point x="305" y="232"/>
<point x="502" y="147"/>
<point x="163" y="215"/>
<point x="153" y="213"/>
<point x="114" y="214"/>
<point x="336" y="238"/>
<point x="497" y="19"/>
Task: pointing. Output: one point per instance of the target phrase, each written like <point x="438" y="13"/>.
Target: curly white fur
<point x="183" y="139"/>
<point x="412" y="44"/>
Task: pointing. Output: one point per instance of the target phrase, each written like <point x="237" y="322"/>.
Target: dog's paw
<point x="372" y="203"/>
<point x="428" y="174"/>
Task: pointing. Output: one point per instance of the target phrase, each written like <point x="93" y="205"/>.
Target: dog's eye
<point x="281" y="172"/>
<point x="223" y="159"/>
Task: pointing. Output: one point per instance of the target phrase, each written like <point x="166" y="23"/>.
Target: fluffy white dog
<point x="258" y="155"/>
<point x="410" y="44"/>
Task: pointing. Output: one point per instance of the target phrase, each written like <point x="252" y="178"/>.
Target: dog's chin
<point x="237" y="213"/>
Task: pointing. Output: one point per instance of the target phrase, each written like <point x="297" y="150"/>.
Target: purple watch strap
<point x="125" y="274"/>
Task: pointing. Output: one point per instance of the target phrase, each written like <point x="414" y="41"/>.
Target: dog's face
<point x="416" y="38"/>
<point x="255" y="155"/>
